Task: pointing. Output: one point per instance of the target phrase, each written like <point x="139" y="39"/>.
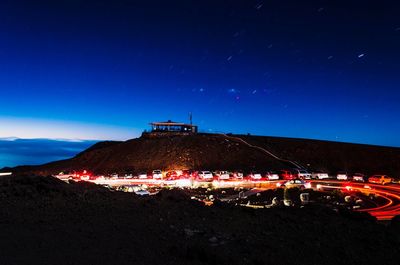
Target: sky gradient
<point x="105" y="69"/>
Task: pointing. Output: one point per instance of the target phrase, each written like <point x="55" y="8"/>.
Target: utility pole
<point x="190" y="118"/>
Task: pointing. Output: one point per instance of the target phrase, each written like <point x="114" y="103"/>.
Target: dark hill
<point x="214" y="151"/>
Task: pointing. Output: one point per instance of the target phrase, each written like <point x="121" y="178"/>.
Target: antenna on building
<point x="190" y="118"/>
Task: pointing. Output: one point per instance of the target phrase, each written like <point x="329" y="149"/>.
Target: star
<point x="259" y="6"/>
<point x="232" y="90"/>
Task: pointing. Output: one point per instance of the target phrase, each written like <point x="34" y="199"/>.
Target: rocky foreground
<point x="46" y="221"/>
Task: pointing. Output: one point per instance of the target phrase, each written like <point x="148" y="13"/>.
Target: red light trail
<point x="390" y="193"/>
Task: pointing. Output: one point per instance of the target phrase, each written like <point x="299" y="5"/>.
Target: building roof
<point x="169" y="122"/>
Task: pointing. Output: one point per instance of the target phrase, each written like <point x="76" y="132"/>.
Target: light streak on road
<point x="390" y="193"/>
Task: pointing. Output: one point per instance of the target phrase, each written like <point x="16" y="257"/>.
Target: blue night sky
<point x="105" y="69"/>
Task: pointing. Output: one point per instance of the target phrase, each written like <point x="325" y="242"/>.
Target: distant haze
<point x="14" y="152"/>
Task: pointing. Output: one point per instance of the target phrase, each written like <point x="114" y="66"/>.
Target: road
<point x="262" y="149"/>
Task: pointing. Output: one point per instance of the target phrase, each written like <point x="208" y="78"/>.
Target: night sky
<point x="105" y="69"/>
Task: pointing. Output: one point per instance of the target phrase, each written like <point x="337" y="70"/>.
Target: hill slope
<point x="333" y="156"/>
<point x="230" y="152"/>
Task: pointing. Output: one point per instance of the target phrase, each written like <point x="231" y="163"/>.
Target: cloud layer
<point x="14" y="152"/>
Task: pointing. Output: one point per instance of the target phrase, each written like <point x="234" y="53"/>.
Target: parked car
<point x="61" y="175"/>
<point x="237" y="175"/>
<point x="222" y="175"/>
<point x="114" y="176"/>
<point x="142" y="175"/>
<point x="342" y="176"/>
<point x="206" y="175"/>
<point x="129" y="188"/>
<point x="302" y="174"/>
<point x="272" y="176"/>
<point x="296" y="183"/>
<point x="157" y="174"/>
<point x="380" y="179"/>
<point x="99" y="178"/>
<point x="188" y="174"/>
<point x="254" y="176"/>
<point x="319" y="175"/>
<point x="358" y="177"/>
<point x="128" y="176"/>
<point x="172" y="175"/>
<point x="142" y="192"/>
<point x="287" y="174"/>
<point x="85" y="177"/>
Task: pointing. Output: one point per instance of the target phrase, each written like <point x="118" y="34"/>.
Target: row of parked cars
<point x="203" y="175"/>
<point x="286" y="174"/>
<point x="357" y="177"/>
<point x="222" y="175"/>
